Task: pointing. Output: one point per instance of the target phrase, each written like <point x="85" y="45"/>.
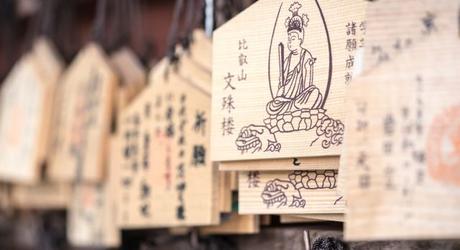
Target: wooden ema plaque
<point x="201" y="50"/>
<point x="85" y="101"/>
<point x="26" y="106"/>
<point x="395" y="26"/>
<point x="51" y="66"/>
<point x="129" y="171"/>
<point x="44" y="195"/>
<point x="280" y="69"/>
<point x="166" y="176"/>
<point x="91" y="219"/>
<point x="131" y="74"/>
<point x="51" y="63"/>
<point x="41" y="196"/>
<point x="403" y="151"/>
<point x="289" y="192"/>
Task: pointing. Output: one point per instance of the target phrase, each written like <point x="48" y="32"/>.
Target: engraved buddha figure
<point x="296" y="90"/>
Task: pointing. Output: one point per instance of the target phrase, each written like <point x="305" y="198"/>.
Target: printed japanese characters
<point x="165" y="136"/>
<point x="278" y="93"/>
<point x="26" y="105"/>
<point x="280" y="192"/>
<point x="394" y="26"/>
<point x="82" y="122"/>
<point x="403" y="149"/>
<point x="91" y="217"/>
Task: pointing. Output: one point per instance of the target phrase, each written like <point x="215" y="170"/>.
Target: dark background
<point x="70" y="24"/>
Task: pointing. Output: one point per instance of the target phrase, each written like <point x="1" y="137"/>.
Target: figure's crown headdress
<point x="296" y="22"/>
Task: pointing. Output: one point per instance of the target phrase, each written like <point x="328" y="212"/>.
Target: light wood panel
<point x="26" y="102"/>
<point x="392" y="28"/>
<point x="402" y="153"/>
<point x="395" y="26"/>
<point x="289" y="192"/>
<point x="91" y="217"/>
<point x="260" y="113"/>
<point x="41" y="196"/>
<point x="166" y="176"/>
<point x="85" y="102"/>
<point x="132" y="77"/>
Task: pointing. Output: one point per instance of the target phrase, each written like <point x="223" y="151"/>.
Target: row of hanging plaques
<point x="98" y="170"/>
<point x="336" y="110"/>
<point x="343" y="108"/>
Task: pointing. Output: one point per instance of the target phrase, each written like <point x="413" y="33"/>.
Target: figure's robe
<point x="297" y="91"/>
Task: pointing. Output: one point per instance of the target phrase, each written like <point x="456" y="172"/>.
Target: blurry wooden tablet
<point x="403" y="151"/>
<point x="41" y="196"/>
<point x="131" y="74"/>
<point x="24" y="104"/>
<point x="91" y="218"/>
<point x="85" y="102"/>
<point x="393" y="27"/>
<point x="167" y="177"/>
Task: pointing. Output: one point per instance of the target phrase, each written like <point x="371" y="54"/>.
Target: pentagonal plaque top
<point x="280" y="70"/>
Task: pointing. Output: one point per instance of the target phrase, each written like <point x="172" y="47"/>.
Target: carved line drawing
<point x="298" y="104"/>
<point x="281" y="193"/>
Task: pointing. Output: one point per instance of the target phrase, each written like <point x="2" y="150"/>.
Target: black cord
<point x="99" y="22"/>
<point x="189" y="21"/>
<point x="172" y="37"/>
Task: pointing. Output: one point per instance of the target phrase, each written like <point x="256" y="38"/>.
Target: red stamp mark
<point x="443" y="150"/>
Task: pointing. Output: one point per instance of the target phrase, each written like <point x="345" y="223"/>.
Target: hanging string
<point x="194" y="19"/>
<point x="99" y="23"/>
<point x="227" y="9"/>
<point x="199" y="18"/>
<point x="115" y="25"/>
<point x="136" y="18"/>
<point x="137" y="38"/>
<point x="189" y="21"/>
<point x="113" y="30"/>
<point x="121" y="22"/>
<point x="33" y="28"/>
<point x="124" y="13"/>
<point x="67" y="22"/>
<point x="138" y="24"/>
<point x="238" y="5"/>
<point x="8" y="37"/>
<point x="48" y="18"/>
<point x="172" y="37"/>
